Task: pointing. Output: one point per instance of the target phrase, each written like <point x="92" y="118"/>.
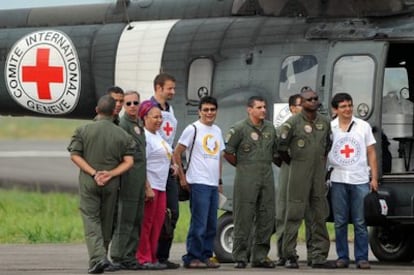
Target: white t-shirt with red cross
<point x="348" y="155"/>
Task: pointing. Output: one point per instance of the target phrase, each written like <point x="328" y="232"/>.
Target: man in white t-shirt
<point x="354" y="173"/>
<point x="203" y="143"/>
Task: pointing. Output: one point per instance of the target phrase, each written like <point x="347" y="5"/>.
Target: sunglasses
<point x="312" y="98"/>
<point x="206" y="110"/>
<point x="129" y="103"/>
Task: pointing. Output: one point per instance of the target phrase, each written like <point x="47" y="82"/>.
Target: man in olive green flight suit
<point x="295" y="107"/>
<point x="132" y="192"/>
<point x="303" y="144"/>
<point x="250" y="147"/>
<point x="102" y="158"/>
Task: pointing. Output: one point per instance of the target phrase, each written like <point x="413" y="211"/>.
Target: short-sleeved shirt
<point x="348" y="155"/>
<point x="205" y="158"/>
<point x="102" y="144"/>
<point x="158" y="153"/>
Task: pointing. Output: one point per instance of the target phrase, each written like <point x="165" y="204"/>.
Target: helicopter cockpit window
<point x="354" y="75"/>
<point x="297" y="71"/>
<point x="200" y="78"/>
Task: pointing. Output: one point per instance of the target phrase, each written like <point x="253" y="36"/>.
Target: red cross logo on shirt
<point x="43" y="74"/>
<point x="167" y="129"/>
<point x="347" y="151"/>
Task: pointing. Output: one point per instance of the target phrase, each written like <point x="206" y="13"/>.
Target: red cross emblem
<point x="347" y="151"/>
<point x="43" y="74"/>
<point x="167" y="129"/>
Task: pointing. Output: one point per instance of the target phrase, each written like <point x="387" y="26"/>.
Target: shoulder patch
<point x="286" y="125"/>
<point x="284" y="130"/>
<point x="229" y="135"/>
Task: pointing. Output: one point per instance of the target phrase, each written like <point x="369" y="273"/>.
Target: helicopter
<point x="57" y="62"/>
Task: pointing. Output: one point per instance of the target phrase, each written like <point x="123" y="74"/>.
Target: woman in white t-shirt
<point x="158" y="154"/>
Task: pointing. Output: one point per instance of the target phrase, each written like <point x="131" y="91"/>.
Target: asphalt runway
<point x="37" y="165"/>
<point x="71" y="259"/>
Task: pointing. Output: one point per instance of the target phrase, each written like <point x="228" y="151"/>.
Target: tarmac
<point x="71" y="259"/>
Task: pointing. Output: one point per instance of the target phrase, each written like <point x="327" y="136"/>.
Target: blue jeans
<point x="203" y="224"/>
<point x="348" y="204"/>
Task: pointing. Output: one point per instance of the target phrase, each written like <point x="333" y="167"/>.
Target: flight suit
<point x="281" y="193"/>
<point x="308" y="143"/>
<point x="253" y="190"/>
<point x="97" y="203"/>
<point x="281" y="189"/>
<point x="131" y="199"/>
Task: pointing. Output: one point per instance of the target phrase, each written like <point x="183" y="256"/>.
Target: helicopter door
<point x="357" y="68"/>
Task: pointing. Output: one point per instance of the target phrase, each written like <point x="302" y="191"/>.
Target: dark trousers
<point x="164" y="244"/>
<point x="130" y="213"/>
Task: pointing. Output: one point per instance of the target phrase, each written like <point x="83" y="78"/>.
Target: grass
<point x="33" y="217"/>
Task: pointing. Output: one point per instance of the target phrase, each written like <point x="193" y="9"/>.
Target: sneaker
<point x="341" y="263"/>
<point x="363" y="265"/>
<point x="99" y="267"/>
<point x="212" y="263"/>
<point x="170" y="265"/>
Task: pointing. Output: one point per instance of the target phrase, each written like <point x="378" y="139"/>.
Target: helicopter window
<point x="395" y="92"/>
<point x="355" y="75"/>
<point x="200" y="78"/>
<point x="397" y="117"/>
<point x="297" y="71"/>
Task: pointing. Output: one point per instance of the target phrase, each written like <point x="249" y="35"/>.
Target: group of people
<point x="130" y="175"/>
<point x="304" y="147"/>
<point x="128" y="180"/>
